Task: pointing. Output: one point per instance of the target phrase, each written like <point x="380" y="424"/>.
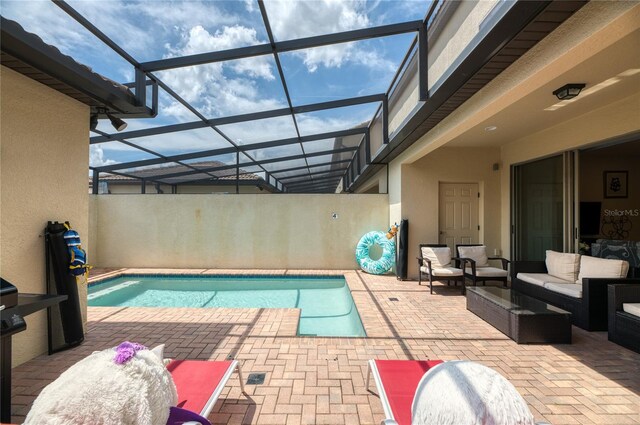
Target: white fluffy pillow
<point x="476" y="253"/>
<point x="563" y="265"/>
<point x="439" y="257"/>
<point x="98" y="391"/>
<point x="464" y="392"/>
<point x="602" y="267"/>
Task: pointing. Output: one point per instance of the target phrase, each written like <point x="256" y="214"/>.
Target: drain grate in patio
<point x="256" y="378"/>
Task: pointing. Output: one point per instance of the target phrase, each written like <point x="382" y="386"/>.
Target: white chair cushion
<point x="631" y="308"/>
<point x="443" y="271"/>
<point x="563" y="265"/>
<point x="488" y="272"/>
<point x="439" y="257"/>
<point x="539" y="278"/>
<point x="571" y="289"/>
<point x="464" y="392"/>
<point x="602" y="267"/>
<point x="476" y="253"/>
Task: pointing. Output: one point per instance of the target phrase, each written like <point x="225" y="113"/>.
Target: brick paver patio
<point x="321" y="380"/>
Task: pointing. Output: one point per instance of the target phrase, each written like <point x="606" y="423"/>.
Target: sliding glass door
<point x="542" y="207"/>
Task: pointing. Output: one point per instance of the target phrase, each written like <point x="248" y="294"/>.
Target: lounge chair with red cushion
<point x="199" y="384"/>
<point x="446" y="393"/>
<point x="397" y="381"/>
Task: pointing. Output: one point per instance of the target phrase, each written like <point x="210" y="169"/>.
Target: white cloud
<point x="96" y="157"/>
<point x="198" y="40"/>
<point x="291" y="20"/>
<point x="224" y="88"/>
<point x="250" y="6"/>
<point x="151" y="30"/>
<point x="310" y="124"/>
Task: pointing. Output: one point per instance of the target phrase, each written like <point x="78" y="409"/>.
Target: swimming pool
<point x="327" y="308"/>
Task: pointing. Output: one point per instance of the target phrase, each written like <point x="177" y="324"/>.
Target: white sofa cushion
<point x="439" y="257"/>
<point x="631" y="308"/>
<point x="488" y="272"/>
<point x="539" y="278"/>
<point x="563" y="265"/>
<point x="476" y="253"/>
<point x="443" y="271"/>
<point x="571" y="289"/>
<point x="602" y="267"/>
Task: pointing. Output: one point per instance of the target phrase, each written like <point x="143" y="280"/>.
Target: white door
<point x="458" y="216"/>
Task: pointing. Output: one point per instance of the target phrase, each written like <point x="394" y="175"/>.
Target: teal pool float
<point x="385" y="262"/>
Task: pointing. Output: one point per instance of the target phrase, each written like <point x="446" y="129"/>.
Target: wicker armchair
<point x="439" y="271"/>
<point x="624" y="328"/>
<point x="482" y="272"/>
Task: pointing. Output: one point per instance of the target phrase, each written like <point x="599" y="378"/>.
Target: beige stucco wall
<point x="455" y="36"/>
<point x="420" y="194"/>
<point x="445" y="47"/>
<point x="405" y="97"/>
<point x="44" y="163"/>
<point x="592" y="29"/>
<point x="595" y="27"/>
<point x="376" y="184"/>
<point x="235" y="231"/>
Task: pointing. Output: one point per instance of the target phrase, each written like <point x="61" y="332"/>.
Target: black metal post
<point x="141" y="87"/>
<point x="367" y="147"/>
<point x="423" y="63"/>
<point x="237" y="172"/>
<point x="95" y="182"/>
<point x="385" y="120"/>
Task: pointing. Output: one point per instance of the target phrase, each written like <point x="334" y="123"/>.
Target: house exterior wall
<point x="595" y="27"/>
<point x="376" y="184"/>
<point x="43" y="167"/>
<point x="601" y="124"/>
<point x="249" y="231"/>
<point x="455" y="36"/>
<point x="420" y="194"/>
<point x="445" y="45"/>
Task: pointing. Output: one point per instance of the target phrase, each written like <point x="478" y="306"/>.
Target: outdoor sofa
<point x="575" y="283"/>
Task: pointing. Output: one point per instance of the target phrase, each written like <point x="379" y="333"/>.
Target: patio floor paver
<point x="315" y="380"/>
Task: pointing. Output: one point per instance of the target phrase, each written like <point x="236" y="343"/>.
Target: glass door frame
<point x="570" y="202"/>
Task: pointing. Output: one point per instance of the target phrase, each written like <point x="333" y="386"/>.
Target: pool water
<point x="327" y="308"/>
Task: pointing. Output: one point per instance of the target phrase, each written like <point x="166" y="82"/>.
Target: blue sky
<point x="151" y="30"/>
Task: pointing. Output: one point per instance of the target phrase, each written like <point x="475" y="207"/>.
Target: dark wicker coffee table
<point x="522" y="318"/>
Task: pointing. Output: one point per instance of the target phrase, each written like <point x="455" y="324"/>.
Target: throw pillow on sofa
<point x="563" y="265"/>
<point x="602" y="267"/>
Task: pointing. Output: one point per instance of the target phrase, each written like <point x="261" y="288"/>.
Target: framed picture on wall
<point x="615" y="184"/>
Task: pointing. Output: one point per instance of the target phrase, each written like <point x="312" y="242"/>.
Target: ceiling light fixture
<point x="568" y="91"/>
<point x="491" y="128"/>
<point x="116" y="122"/>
